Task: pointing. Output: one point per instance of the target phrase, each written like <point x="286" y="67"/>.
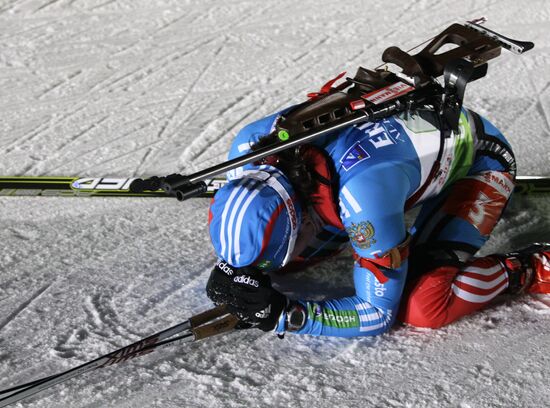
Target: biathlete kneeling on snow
<point x="305" y="204"/>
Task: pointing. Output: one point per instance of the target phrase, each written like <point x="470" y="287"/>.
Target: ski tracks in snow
<point x="142" y="87"/>
<point x="186" y="95"/>
<point x="102" y="325"/>
<point x="22" y="306"/>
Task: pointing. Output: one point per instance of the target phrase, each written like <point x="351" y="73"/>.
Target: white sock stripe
<point x="240" y="220"/>
<point x="351" y="200"/>
<point x="472" y="297"/>
<point x="481" y="284"/>
<point x="484" y="271"/>
<point x="224" y="215"/>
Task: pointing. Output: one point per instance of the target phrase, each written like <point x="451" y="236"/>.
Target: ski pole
<point x="207" y="324"/>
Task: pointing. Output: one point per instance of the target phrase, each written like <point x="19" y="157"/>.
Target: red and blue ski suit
<point x="382" y="169"/>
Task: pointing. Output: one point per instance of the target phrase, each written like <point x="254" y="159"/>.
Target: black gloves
<point x="248" y="294"/>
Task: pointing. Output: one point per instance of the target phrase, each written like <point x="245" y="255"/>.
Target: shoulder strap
<point x="324" y="199"/>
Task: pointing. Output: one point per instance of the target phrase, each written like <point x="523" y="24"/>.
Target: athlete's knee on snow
<point x="426" y="300"/>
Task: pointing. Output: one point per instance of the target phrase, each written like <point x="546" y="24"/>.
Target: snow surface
<point x="123" y="88"/>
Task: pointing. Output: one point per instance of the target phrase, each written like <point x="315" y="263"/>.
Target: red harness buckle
<point x="392" y="258"/>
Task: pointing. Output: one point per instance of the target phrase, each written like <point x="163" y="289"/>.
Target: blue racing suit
<point x="382" y="167"/>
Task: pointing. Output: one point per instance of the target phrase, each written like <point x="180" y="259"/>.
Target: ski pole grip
<point x="191" y="190"/>
<point x="223" y="325"/>
<point x="172" y="182"/>
<point x="208" y="315"/>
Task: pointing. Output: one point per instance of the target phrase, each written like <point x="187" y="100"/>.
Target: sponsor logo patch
<point x="353" y="156"/>
<point x="342" y="319"/>
<point x="292" y="211"/>
<point x="379" y="289"/>
<point x="102" y="184"/>
<point x="316" y="310"/>
<point x="387" y="93"/>
<point x="263" y="314"/>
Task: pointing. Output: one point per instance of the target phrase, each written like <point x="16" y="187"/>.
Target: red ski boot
<point x="528" y="269"/>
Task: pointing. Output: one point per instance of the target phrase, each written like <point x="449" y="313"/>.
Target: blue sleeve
<point x="372" y="209"/>
<point x="249" y="135"/>
<point x="246" y="137"/>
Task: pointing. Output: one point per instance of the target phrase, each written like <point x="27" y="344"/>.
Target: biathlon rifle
<point x="371" y="95"/>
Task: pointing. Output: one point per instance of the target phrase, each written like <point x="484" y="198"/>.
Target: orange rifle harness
<point x="392" y="258"/>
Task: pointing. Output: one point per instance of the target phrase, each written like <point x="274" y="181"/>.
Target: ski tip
<point x="526" y="46"/>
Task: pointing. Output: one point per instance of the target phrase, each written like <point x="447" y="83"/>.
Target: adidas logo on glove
<point x="225" y="268"/>
<point x="263" y="314"/>
<point x="247" y="280"/>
